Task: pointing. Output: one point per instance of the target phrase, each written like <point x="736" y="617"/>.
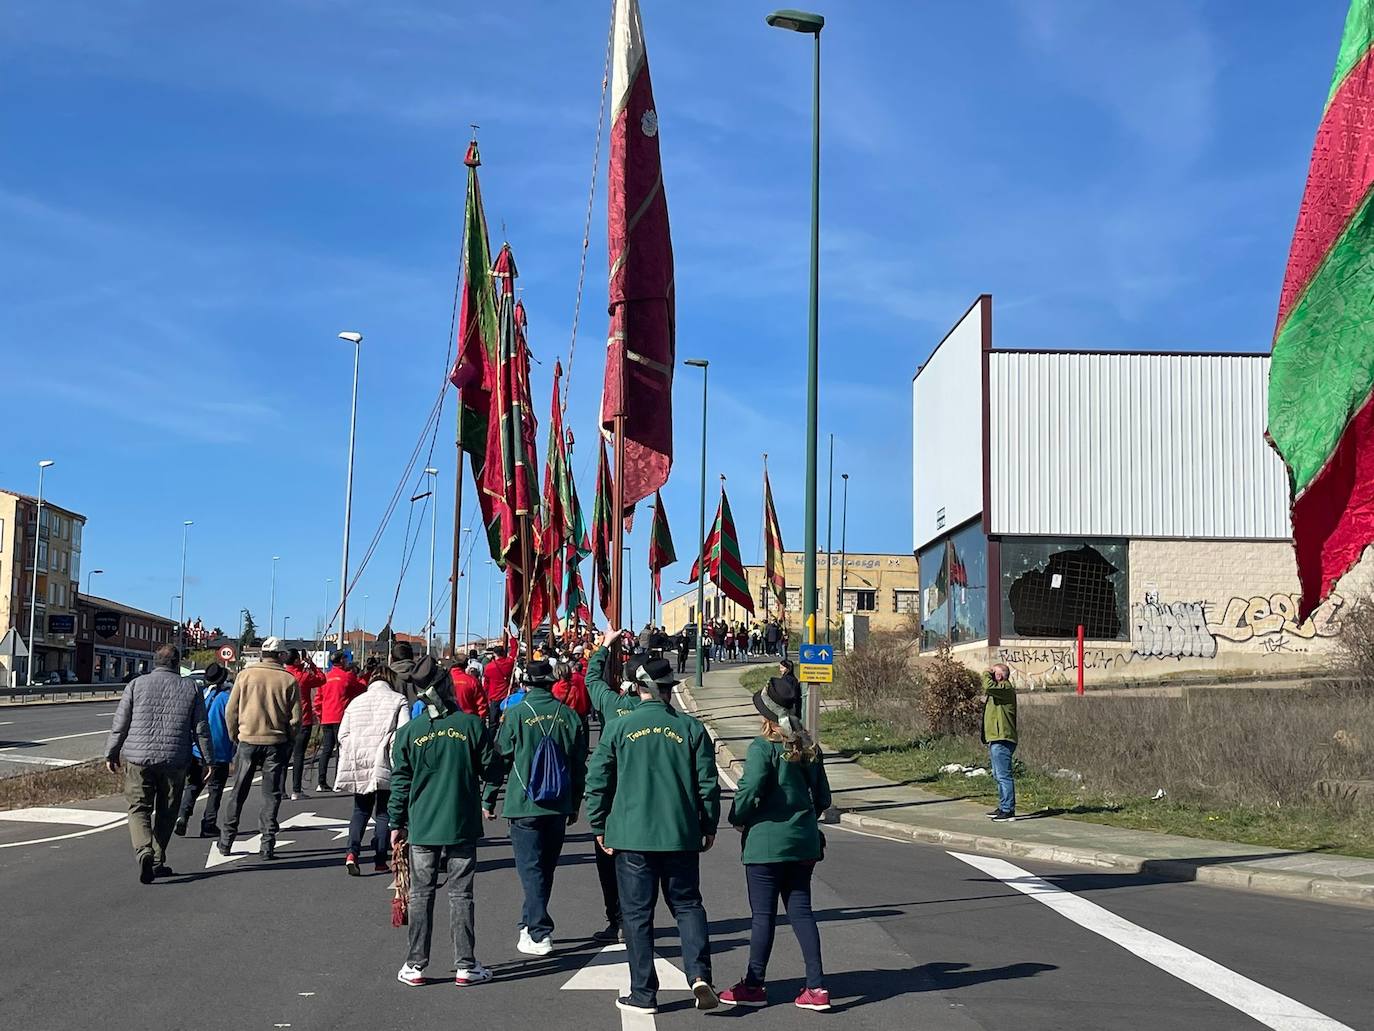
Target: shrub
<point x="880" y="681"/>
<point x="952" y="700"/>
<point x="1354" y="653"/>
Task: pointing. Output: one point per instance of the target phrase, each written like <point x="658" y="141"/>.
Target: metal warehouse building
<point x="1129" y="493"/>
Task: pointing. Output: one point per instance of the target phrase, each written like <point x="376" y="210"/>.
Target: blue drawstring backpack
<point x="548" y="776"/>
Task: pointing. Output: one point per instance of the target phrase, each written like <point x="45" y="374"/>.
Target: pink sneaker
<point x="744" y="995"/>
<point x="817" y="999"/>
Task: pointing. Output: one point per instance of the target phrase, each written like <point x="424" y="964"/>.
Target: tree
<point x="250" y="631"/>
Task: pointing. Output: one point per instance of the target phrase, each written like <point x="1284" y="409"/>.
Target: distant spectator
<point x="150" y="740"/>
<point x="341" y="685"/>
<point x="309" y="679"/>
<point x="209" y="771"/>
<point x="999" y="734"/>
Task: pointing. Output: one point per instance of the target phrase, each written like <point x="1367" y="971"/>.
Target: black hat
<point x="541" y="673"/>
<point x="655" y="672"/>
<point x="215" y="673"/>
<point x="402" y="650"/>
<point x="780" y="698"/>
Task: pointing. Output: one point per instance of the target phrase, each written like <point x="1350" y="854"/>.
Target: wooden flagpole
<point x="457" y="538"/>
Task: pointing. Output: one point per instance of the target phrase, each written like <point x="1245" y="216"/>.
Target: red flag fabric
<point x="640" y="348"/>
<point x="603" y="539"/>
<point x="557" y="502"/>
<point x="773" y="572"/>
<point x="723" y="565"/>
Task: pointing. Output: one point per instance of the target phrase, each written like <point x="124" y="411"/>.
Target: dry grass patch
<point x="53" y="787"/>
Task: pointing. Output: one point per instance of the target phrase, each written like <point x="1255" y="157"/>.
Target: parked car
<point x="70" y="677"/>
<point x="53" y="678"/>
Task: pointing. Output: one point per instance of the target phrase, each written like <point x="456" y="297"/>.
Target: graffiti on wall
<point x="1179" y="630"/>
<point x="1050" y="662"/>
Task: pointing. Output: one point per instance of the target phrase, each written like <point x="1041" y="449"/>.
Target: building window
<point x="858" y="600"/>
<point x="968" y="584"/>
<point x="42" y="554"/>
<point x="906" y="601"/>
<point x="794" y="599"/>
<point x="1052" y="586"/>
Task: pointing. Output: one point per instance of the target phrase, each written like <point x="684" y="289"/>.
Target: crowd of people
<point x="430" y="750"/>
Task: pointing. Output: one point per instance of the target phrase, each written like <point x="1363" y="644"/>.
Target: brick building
<point x="59" y="576"/>
<point x="882" y="587"/>
<point x="1128" y="493"/>
<point x="115" y="641"/>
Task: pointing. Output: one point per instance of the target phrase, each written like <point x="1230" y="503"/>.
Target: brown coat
<point x="265" y="705"/>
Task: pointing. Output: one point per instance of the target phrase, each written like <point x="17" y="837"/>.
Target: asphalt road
<point x="34" y="736"/>
<point x="914" y="938"/>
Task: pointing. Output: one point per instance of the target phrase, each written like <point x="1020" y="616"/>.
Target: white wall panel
<point x="946" y="432"/>
<point x="1133" y="445"/>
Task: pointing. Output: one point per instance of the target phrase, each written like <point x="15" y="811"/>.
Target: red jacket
<point x="308" y="679"/>
<point x="339" y="688"/>
<point x="468" y="693"/>
<point x="573" y="693"/>
<point x="496" y="678"/>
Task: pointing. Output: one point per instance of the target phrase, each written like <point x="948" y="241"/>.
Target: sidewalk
<point x="875" y="805"/>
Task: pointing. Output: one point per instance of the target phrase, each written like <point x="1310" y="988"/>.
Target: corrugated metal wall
<point x="1133" y="445"/>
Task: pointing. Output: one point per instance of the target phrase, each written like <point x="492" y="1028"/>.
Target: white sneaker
<point x="530" y="947"/>
<point x="411" y="975"/>
<point x="474" y="974"/>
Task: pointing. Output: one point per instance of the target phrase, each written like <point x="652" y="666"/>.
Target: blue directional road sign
<point x="816" y="664"/>
<point x="816" y="654"/>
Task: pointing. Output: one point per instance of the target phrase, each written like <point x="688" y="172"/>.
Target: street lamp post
<point x="172" y="607"/>
<point x="467" y="608"/>
<point x="433" y="475"/>
<point x="487" y="624"/>
<point x="284" y="621"/>
<point x="272" y="606"/>
<point x="364" y="633"/>
<point x="356" y="339"/>
<point x="829" y="519"/>
<point x="181" y="628"/>
<point x="33" y="581"/>
<point x="844" y="537"/>
<point x="810" y="24"/>
<point x="91" y="573"/>
<point x="704" y="366"/>
<point x="324" y="633"/>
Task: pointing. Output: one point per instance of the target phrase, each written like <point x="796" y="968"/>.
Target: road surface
<point x="34" y="736"/>
<point x="914" y="937"/>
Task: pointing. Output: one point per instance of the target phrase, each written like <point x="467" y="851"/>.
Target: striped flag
<point x="558" y="500"/>
<point x="474" y="370"/>
<point x="1321" y="376"/>
<point x="772" y="545"/>
<point x="603" y="532"/>
<point x="723" y="565"/>
<point x="640" y="346"/>
<point x="661" y="552"/>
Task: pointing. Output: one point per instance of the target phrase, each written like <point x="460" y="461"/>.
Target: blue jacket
<point x="216" y="698"/>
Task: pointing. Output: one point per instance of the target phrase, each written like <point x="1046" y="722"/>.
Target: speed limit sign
<point x="226" y="654"/>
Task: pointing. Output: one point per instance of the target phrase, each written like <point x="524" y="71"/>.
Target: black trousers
<point x="610" y="891"/>
<point x="212" y="778"/>
<point x="329" y="741"/>
<point x="298" y="746"/>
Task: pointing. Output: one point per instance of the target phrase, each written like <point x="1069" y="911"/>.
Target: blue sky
<point x="193" y="203"/>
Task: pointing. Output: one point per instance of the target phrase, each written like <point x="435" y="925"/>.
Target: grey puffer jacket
<point x="156" y="719"/>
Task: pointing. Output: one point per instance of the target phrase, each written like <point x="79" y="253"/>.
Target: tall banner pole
<point x="457" y="538"/>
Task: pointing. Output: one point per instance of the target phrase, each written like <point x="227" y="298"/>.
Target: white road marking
<point x="310" y="820"/>
<point x="609" y="971"/>
<point x="56" y="814"/>
<point x="246" y="847"/>
<point x="68" y="737"/>
<point x="63" y="837"/>
<point x="1250" y="997"/>
<point x="40" y="760"/>
<point x="6" y="723"/>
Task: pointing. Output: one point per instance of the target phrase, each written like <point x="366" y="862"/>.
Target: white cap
<point x="273" y="644"/>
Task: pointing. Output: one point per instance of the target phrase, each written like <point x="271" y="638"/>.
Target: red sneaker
<point x="351" y="864"/>
<point x="381" y="866"/>
<point x="817" y="999"/>
<point x="744" y="994"/>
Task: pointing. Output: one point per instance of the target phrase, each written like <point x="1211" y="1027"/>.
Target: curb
<point x="1216" y="874"/>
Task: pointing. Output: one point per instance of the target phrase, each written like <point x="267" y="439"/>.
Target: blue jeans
<point x="538" y="842"/>
<point x="767" y="882"/>
<point x="372" y="804"/>
<point x="638" y="875"/>
<point x="1000" y="752"/>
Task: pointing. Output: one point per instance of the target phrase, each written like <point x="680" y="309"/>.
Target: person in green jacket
<point x="999" y="734"/>
<point x="537" y="828"/>
<point x="610" y="704"/>
<point x="781" y="793"/>
<point x="439" y="760"/>
<point x="653" y="800"/>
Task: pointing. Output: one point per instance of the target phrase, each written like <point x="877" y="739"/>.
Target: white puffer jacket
<point x="365" y="736"/>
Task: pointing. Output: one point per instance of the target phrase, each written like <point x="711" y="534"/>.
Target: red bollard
<point x="1080" y="658"/>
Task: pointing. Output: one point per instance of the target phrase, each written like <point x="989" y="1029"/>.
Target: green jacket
<point x="999" y="710"/>
<point x="606" y="700"/>
<point x="776" y="805"/>
<point x="524" y="726"/>
<point x="437" y="767"/>
<point x="652" y="784"/>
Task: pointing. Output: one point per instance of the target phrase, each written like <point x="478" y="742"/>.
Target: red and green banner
<point x="640" y="345"/>
<point x="661" y="551"/>
<point x="474" y="370"/>
<point x="772" y="546"/>
<point x="723" y="565"/>
<point x="557" y="531"/>
<point x="1321" y="376"/>
<point x="603" y="532"/>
